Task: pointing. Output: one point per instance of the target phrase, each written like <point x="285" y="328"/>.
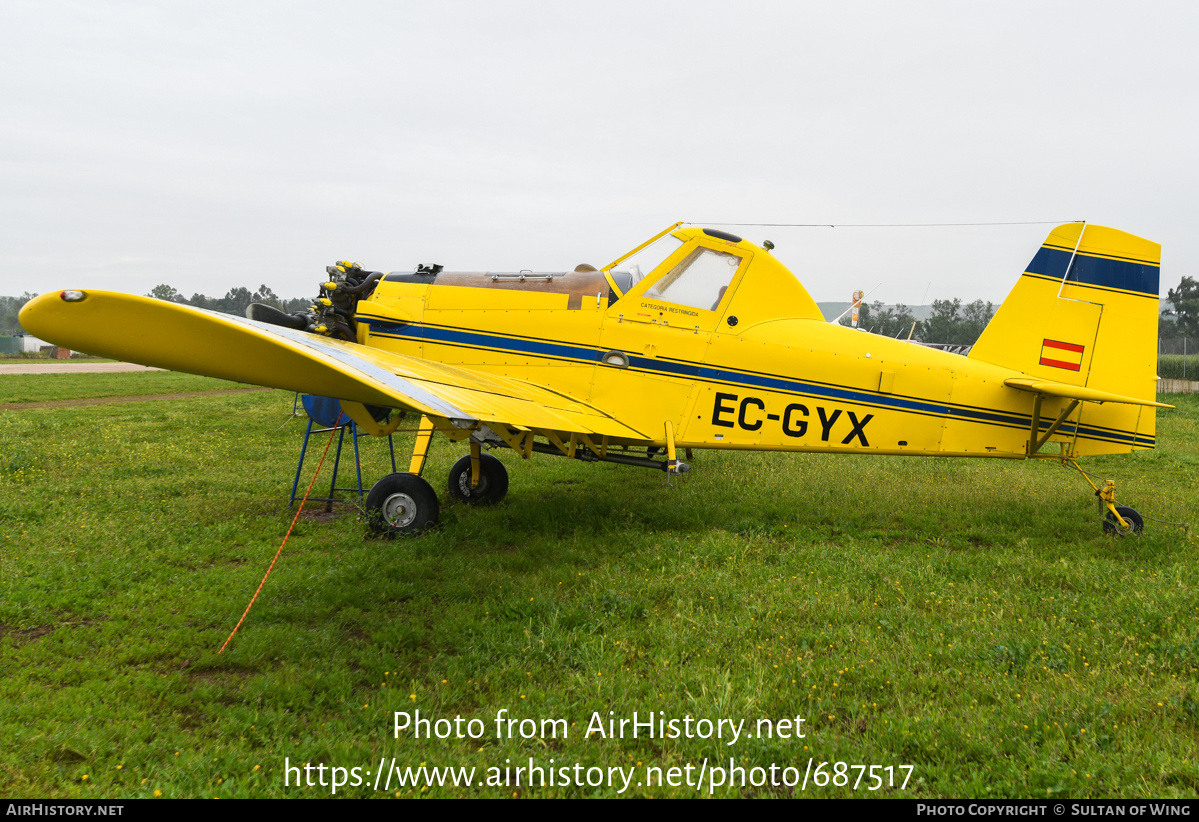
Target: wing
<point x="1074" y="392"/>
<point x="183" y="338"/>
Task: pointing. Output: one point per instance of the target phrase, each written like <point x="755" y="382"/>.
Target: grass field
<point x="967" y="618"/>
<point x="41" y="387"/>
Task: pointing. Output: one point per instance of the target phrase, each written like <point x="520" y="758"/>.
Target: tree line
<point x="950" y="322"/>
<point x="955" y="324"/>
<point x="1182" y="318"/>
<point x="9" y="308"/>
<point x="234" y="302"/>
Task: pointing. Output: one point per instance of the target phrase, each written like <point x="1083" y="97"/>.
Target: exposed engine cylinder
<point x="332" y="313"/>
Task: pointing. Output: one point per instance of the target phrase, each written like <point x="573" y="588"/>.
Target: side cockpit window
<point x="699" y="280"/>
<point x="643" y="262"/>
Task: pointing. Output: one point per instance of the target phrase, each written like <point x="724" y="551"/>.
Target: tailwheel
<point x="493" y="481"/>
<point x="401" y="504"/>
<point x="1134" y="524"/>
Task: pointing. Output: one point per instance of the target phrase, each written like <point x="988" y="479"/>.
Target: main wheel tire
<point x="1112" y="526"/>
<point x="401" y="504"/>
<point x="493" y="481"/>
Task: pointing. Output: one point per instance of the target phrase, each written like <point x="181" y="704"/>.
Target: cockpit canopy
<point x="709" y="270"/>
<point x="694" y="269"/>
<point x="634" y="268"/>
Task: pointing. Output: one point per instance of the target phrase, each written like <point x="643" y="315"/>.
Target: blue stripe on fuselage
<point x="411" y="331"/>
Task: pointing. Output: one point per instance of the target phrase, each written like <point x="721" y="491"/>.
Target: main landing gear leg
<point x="674" y="466"/>
<point x="420" y="451"/>
<point x="1121" y="520"/>
<point x="403" y="503"/>
<point x="478" y="479"/>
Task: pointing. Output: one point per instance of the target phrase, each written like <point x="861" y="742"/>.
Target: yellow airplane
<point x="695" y="339"/>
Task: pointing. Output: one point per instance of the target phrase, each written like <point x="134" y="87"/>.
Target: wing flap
<point x="183" y="338"/>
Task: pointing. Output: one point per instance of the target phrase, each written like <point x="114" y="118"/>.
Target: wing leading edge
<point x="182" y="338"/>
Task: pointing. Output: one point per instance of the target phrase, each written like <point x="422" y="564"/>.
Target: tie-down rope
<point x="294" y="519"/>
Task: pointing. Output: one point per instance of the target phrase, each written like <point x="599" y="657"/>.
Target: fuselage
<point x="749" y="363"/>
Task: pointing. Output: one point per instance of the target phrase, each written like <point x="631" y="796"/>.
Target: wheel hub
<point x="399" y="510"/>
<point x="467" y="491"/>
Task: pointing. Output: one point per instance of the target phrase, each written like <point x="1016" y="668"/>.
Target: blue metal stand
<point x="326" y="412"/>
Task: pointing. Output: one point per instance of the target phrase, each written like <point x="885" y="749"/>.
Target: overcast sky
<point x="211" y="145"/>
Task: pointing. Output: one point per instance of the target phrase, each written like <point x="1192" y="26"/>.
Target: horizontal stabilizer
<point x="1075" y="392"/>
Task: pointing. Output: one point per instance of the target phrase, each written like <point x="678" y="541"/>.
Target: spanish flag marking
<point x="1057" y="354"/>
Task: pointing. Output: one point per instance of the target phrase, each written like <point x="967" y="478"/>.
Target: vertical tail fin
<point x="1085" y="313"/>
<point x="1094" y="324"/>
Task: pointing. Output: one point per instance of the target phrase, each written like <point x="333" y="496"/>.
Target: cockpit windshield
<point x="645" y="260"/>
